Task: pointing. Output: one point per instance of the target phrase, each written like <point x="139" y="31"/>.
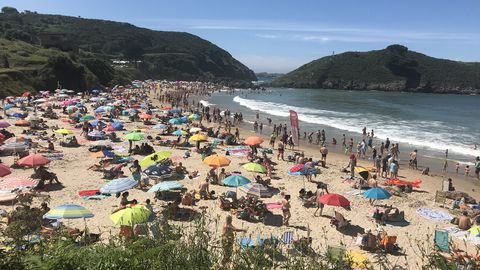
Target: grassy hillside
<point x="392" y="69"/>
<point x="31" y="44"/>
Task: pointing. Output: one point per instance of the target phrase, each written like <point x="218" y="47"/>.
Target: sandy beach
<point x="416" y="235"/>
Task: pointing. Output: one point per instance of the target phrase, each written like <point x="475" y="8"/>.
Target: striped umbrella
<point x="118" y="185"/>
<point x="256" y="190"/>
<point x="33" y="160"/>
<point x="164" y="186"/>
<point x="4" y="170"/>
<point x="18" y="182"/>
<point x="68" y="211"/>
<point x="14" y="147"/>
<point x="96" y="134"/>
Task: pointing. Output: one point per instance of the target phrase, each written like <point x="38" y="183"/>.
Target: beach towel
<point x="95" y="197"/>
<point x="354" y="192"/>
<point x="432" y="214"/>
<point x="88" y="192"/>
<point x="273" y="206"/>
<point x="53" y="156"/>
<point x="441" y="240"/>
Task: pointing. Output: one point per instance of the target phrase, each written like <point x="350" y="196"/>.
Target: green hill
<point x="392" y="69"/>
<point x="37" y="51"/>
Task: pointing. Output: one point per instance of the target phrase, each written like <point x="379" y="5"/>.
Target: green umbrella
<point x="134" y="136"/>
<point x="130" y="216"/>
<point x="254" y="167"/>
<point x="87" y="118"/>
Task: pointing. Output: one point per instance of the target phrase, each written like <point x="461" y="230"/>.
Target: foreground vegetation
<point x="190" y="247"/>
<point x="38" y="51"/>
<point x="392" y="69"/>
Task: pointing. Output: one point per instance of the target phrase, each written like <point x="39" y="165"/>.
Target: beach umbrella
<point x="8" y="106"/>
<point x="118" y="185"/>
<point x="175" y="121"/>
<point x="157" y="170"/>
<point x="165" y="186"/>
<point x="63" y="131"/>
<point x="154" y="158"/>
<point x="195" y="129"/>
<point x="145" y="116"/>
<point x="175" y="110"/>
<point x="14" y="147"/>
<point x="72" y="109"/>
<point x="377" y="194"/>
<point x="334" y="200"/>
<point x="101" y="143"/>
<point x="18" y="182"/>
<point x="134" y="136"/>
<point x="97" y="123"/>
<point x="4" y="170"/>
<point x="216" y="161"/>
<point x="40" y="100"/>
<point x="117" y="125"/>
<point x="4" y="124"/>
<point x="7" y="195"/>
<point x="363" y="172"/>
<point x="68" y="211"/>
<point x="253" y="140"/>
<point x="159" y="126"/>
<point x="131" y="215"/>
<point x="254" y="167"/>
<point x="22" y="123"/>
<point x="87" y="117"/>
<point x="256" y="190"/>
<point x="198" y="137"/>
<point x="33" y="160"/>
<point x="194" y="117"/>
<point x="235" y="181"/>
<point x="179" y="132"/>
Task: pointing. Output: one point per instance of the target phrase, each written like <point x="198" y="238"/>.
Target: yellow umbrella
<point x="130" y="216"/>
<point x="216" y="161"/>
<point x="198" y="137"/>
<point x="154" y="158"/>
<point x="254" y="167"/>
<point x="63" y="131"/>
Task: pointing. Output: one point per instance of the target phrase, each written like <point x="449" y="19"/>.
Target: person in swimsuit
<point x="286" y="210"/>
<point x="228" y="239"/>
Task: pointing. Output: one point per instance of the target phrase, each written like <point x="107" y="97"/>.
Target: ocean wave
<point x="206" y="103"/>
<point x="435" y="135"/>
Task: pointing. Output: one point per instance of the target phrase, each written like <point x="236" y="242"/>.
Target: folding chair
<point x="440" y="240"/>
<point x="287" y="238"/>
<point x="440" y="198"/>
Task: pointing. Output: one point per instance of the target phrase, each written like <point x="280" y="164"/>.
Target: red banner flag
<point x="294" y="125"/>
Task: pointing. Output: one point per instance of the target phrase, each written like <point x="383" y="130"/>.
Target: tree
<point x="9" y="10"/>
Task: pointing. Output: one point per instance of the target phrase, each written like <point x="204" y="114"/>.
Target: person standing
<point x="136" y="171"/>
<point x="281" y="150"/>
<point x="286" y="210"/>
<point x="228" y="239"/>
<point x="352" y="164"/>
<point x="477" y="168"/>
<point x="413" y="159"/>
<point x="324" y="152"/>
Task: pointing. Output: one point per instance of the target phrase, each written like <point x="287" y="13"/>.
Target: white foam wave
<point x="206" y="103"/>
<point x="431" y="134"/>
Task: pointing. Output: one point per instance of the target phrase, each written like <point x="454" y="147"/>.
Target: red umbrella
<point x="33" y="160"/>
<point x="297" y="168"/>
<point x="145" y="116"/>
<point x="26" y="94"/>
<point x="18" y="182"/>
<point x="334" y="200"/>
<point x="4" y="170"/>
<point x="253" y="140"/>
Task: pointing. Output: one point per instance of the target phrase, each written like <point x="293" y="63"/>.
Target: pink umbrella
<point x="4" y="170"/>
<point x="4" y="124"/>
<point x="18" y="182"/>
<point x="33" y="160"/>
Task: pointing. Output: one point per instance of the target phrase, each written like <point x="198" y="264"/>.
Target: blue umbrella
<point x="377" y="194"/>
<point x="96" y="134"/>
<point x="117" y="125"/>
<point x="97" y="122"/>
<point x="156" y="170"/>
<point x="184" y="119"/>
<point x="118" y="185"/>
<point x="164" y="186"/>
<point x="17" y="115"/>
<point x="175" y="121"/>
<point x="175" y="110"/>
<point x="178" y="132"/>
<point x="159" y="126"/>
<point x="235" y="181"/>
<point x="99" y="110"/>
<point x="8" y="106"/>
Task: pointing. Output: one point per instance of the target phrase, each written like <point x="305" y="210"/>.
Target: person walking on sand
<point x="286" y="210"/>
<point x="136" y="172"/>
<point x="281" y="150"/>
<point x="352" y="163"/>
<point x="324" y="152"/>
<point x="477" y="167"/>
<point x="413" y="159"/>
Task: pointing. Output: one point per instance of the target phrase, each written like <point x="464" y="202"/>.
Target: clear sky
<point x="280" y="35"/>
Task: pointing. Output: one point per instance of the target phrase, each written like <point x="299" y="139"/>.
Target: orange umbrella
<point x="33" y="160"/>
<point x="216" y="161"/>
<point x="22" y="123"/>
<point x="253" y="140"/>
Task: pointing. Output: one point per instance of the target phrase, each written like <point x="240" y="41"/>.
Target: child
<point x="467" y="170"/>
<point x="457" y="167"/>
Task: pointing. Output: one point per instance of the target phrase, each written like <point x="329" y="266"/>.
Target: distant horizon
<point x="278" y="37"/>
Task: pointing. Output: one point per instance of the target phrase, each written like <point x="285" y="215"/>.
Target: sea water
<point x="430" y="123"/>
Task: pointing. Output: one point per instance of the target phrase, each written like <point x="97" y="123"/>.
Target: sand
<point x="72" y="172"/>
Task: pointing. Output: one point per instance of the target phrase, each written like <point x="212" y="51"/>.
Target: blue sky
<point x="280" y="35"/>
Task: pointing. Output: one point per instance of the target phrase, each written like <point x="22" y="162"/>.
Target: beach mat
<point x="88" y="192"/>
<point x="433" y="214"/>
